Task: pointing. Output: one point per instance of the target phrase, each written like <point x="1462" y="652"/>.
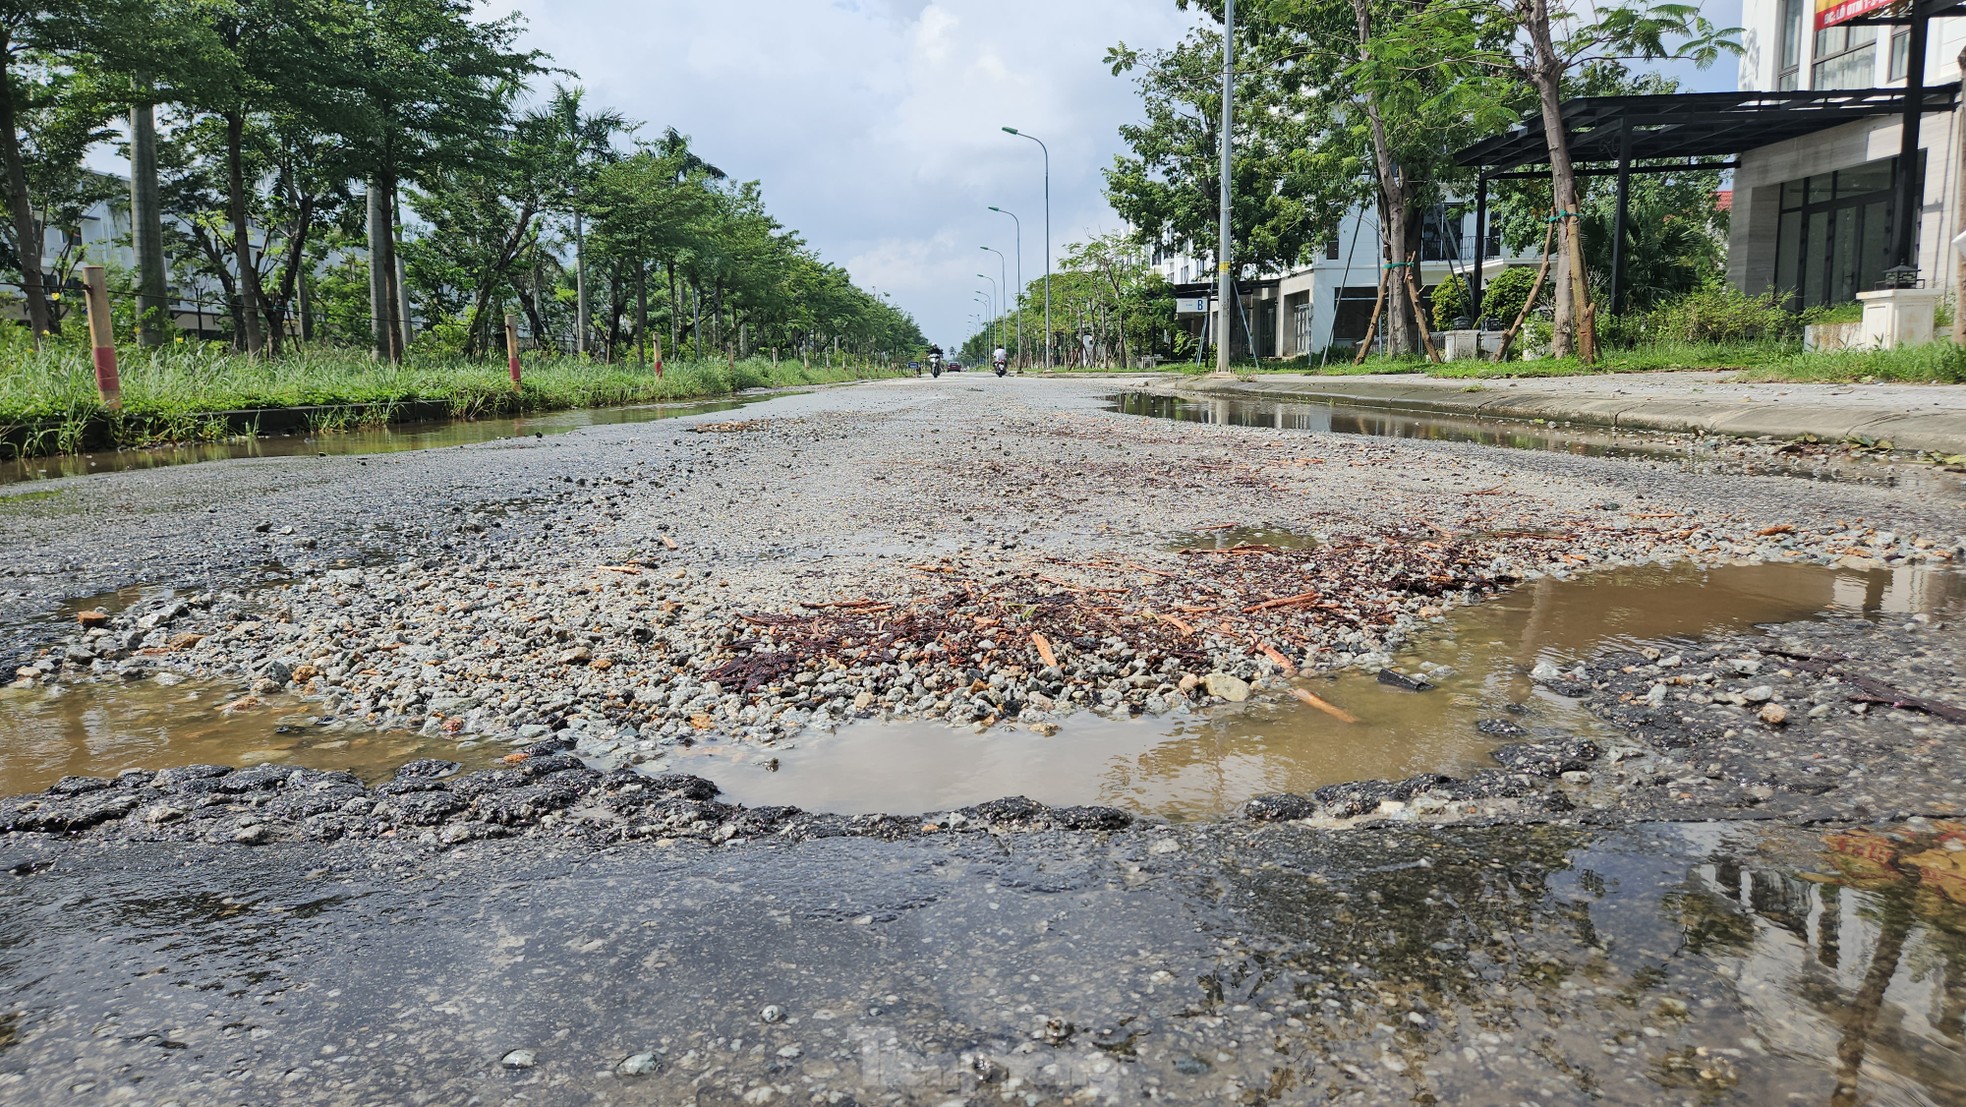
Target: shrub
<point x="1503" y="297"/>
<point x="1450" y="301"/>
<point x="1719" y="313"/>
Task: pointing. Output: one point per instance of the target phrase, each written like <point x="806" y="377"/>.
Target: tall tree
<point x="1485" y="50"/>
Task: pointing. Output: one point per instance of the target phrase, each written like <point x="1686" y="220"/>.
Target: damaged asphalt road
<point x="1676" y="909"/>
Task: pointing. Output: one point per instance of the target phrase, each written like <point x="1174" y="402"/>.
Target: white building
<point x="1813" y="215"/>
<point x="1326" y="304"/>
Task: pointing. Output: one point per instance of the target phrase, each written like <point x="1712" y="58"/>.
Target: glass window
<point x="1864" y="179"/>
<point x="1790" y="61"/>
<point x="1846" y="57"/>
<point x="1900" y="53"/>
<point x="1788" y="252"/>
<point x="1792" y="194"/>
<point x="1814" y="259"/>
<point x="1874" y="245"/>
<point x="1845" y="258"/>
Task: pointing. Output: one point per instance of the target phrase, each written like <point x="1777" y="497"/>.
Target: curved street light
<point x="996" y="316"/>
<point x="1004" y="266"/>
<point x="1047" y="237"/>
<point x="1017" y="301"/>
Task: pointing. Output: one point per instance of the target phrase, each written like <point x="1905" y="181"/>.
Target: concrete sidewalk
<point x="1910" y="417"/>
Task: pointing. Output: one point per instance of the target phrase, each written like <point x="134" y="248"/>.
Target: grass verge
<point x="48" y="401"/>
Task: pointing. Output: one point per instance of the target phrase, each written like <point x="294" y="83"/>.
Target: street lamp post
<point x="1004" y="266"/>
<point x="1224" y="334"/>
<point x="1047" y="237"/>
<point x="1018" y="300"/>
<point x="996" y="303"/>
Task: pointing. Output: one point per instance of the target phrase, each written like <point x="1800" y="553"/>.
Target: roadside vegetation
<point x="48" y="400"/>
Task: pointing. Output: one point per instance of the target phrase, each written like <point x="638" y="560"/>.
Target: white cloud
<point x="874" y="124"/>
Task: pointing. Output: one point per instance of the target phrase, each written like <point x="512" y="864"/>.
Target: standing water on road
<point x="99" y="729"/>
<point x="364" y="440"/>
<point x="1199" y="766"/>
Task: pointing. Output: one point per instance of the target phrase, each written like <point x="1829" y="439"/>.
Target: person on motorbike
<point x="935" y="361"/>
<point x="1001" y="360"/>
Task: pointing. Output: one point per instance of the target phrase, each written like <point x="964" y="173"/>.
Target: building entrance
<point x="1835" y="234"/>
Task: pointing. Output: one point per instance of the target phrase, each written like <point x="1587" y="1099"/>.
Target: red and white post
<point x="658" y="359"/>
<point x="102" y="336"/>
<point x="512" y="349"/>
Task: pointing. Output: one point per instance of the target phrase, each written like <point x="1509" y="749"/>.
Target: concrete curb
<point x="1787" y="417"/>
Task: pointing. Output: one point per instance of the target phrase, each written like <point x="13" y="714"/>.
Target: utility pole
<point x="1224" y="327"/>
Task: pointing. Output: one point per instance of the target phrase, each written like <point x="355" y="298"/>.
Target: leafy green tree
<point x="1485" y="51"/>
<point x="1165" y="185"/>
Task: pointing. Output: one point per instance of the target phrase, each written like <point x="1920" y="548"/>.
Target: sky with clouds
<point x="874" y="125"/>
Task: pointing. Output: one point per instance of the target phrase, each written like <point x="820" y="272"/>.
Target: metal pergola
<point x="1681" y="132"/>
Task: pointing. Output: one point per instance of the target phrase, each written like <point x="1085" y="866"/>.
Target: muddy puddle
<point x="370" y="440"/>
<point x="1208" y="764"/>
<point x="1333" y="418"/>
<point x="99" y="729"/>
<point x="1337" y="418"/>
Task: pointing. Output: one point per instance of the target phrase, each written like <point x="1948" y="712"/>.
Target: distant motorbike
<point x="1002" y="368"/>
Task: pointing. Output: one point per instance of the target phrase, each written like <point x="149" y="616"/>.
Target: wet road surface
<point x="1696" y="963"/>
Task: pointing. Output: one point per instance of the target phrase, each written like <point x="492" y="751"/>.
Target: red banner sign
<point x="1829" y="13"/>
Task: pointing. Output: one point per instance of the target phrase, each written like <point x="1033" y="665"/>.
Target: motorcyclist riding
<point x="935" y="361"/>
<point x="1001" y="360"/>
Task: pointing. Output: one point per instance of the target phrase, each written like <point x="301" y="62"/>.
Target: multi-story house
<point x="1813" y="215"/>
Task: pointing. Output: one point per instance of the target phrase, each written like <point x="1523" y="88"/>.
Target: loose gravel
<point x="995" y="553"/>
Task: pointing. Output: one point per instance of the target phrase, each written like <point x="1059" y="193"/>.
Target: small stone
<point x="253" y="835"/>
<point x="640" y="1064"/>
<point x="1223" y="686"/>
<point x="1774" y="714"/>
<point x="518" y="1059"/>
<point x="1760" y="693"/>
<point x="772" y="1013"/>
<point x="92" y="619"/>
<point x="1044" y="730"/>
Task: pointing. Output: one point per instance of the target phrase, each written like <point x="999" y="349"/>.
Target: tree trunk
<point x="531" y="305"/>
<point x="280" y="305"/>
<point x="242" y="245"/>
<point x="675" y="312"/>
<point x="1572" y="290"/>
<point x="392" y="299"/>
<point x="378" y="276"/>
<point x="27" y="234"/>
<point x="642" y="312"/>
<point x="579" y="286"/>
<point x="147" y="225"/>
<point x="1394" y="208"/>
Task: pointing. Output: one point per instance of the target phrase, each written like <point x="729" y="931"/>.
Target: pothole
<point x="1199" y="765"/>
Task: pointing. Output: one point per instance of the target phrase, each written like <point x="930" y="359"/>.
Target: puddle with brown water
<point x="99" y="729"/>
<point x="365" y="440"/>
<point x="1207" y="765"/>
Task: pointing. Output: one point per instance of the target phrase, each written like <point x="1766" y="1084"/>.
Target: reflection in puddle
<point x="1336" y="418"/>
<point x="101" y="729"/>
<point x="1331" y="418"/>
<point x="1679" y="963"/>
<point x="372" y="440"/>
<point x="1187" y="766"/>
